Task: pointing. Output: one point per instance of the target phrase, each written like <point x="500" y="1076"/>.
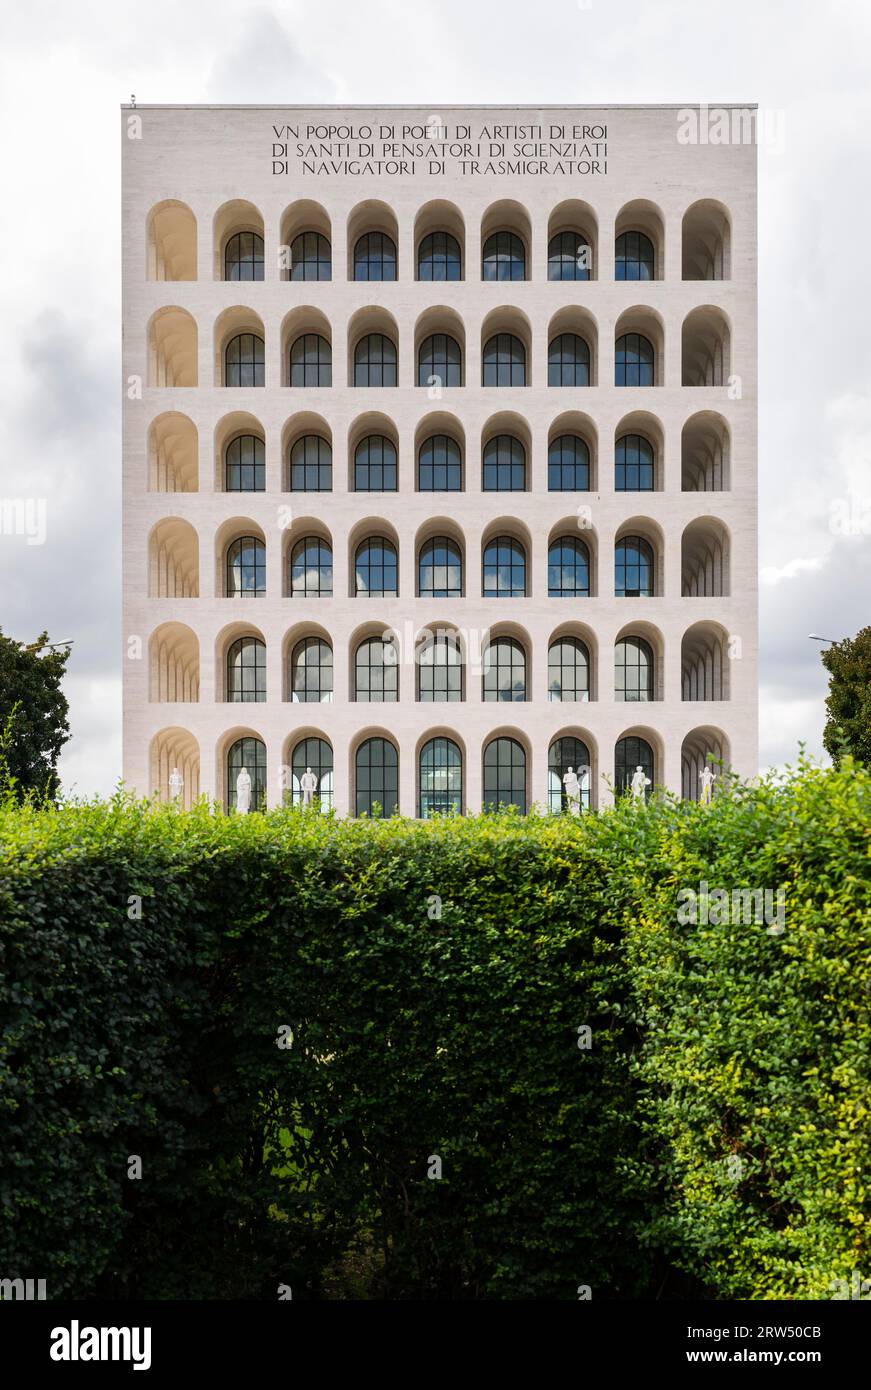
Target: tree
<point x="848" y="706"/>
<point x="33" y="714"/>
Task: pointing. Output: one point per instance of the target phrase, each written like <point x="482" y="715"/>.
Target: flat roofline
<point x="435" y="106"/>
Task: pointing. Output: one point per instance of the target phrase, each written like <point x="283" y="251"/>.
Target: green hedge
<point x="713" y="1136"/>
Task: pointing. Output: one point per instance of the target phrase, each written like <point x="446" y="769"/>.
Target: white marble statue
<point x="706" y="786"/>
<point x="573" y="792"/>
<point x="639" y="784"/>
<point x="176" y="785"/>
<point x="308" y="784"/>
<point x="243" y="792"/>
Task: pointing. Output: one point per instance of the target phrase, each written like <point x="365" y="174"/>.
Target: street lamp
<point x="815" y="637"/>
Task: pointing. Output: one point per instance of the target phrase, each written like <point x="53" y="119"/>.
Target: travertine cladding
<point x="207" y="156"/>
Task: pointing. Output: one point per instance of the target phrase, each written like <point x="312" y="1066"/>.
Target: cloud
<point x="265" y="64"/>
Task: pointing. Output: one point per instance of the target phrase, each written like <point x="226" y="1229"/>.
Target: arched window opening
<point x="245" y="464"/>
<point x="568" y="464"/>
<point x="568" y="361"/>
<point x="633" y="568"/>
<point x="504" y="671"/>
<point x="633" y="670"/>
<point x="249" y="753"/>
<point x="246" y="568"/>
<point x="377" y="766"/>
<point x="634" y="464"/>
<point x="311" y="464"/>
<point x="243" y="257"/>
<point x="376" y="671"/>
<point x="630" y="754"/>
<point x="311" y="569"/>
<point x="439" y="257"/>
<point x="504" y="465"/>
<point x="568" y="671"/>
<point x="504" y="257"/>
<point x="375" y="257"/>
<point x="633" y="361"/>
<point x="634" y="257"/>
<point x="310" y="257"/>
<point x="441" y="779"/>
<point x="440" y="569"/>
<point x="311" y="361"/>
<point x="504" y="361"/>
<point x="244" y="361"/>
<point x="246" y="670"/>
<point x="375" y="468"/>
<point x="504" y="775"/>
<point x="440" y="670"/>
<point x="311" y="672"/>
<point x="440" y="465"/>
<point x="504" y="568"/>
<point x="376" y="568"/>
<point x="568" y="568"/>
<point x="314" y="753"/>
<point x="375" y="361"/>
<point x="565" y="753"/>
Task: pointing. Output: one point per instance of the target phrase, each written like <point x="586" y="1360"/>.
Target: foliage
<point x="33" y="715"/>
<point x="848" y="705"/>
<point x="434" y="978"/>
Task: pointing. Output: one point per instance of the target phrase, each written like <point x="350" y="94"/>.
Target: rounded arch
<point x="171" y="242"/>
<point x="575" y="748"/>
<point x="440" y="453"/>
<point x="374" y="757"/>
<point x="171" y="338"/>
<point x="506" y="551"/>
<point x="643" y="528"/>
<point x="706" y="338"/>
<point x="506" y="664"/>
<point x="506" y="348"/>
<point x="175" y="749"/>
<point x="227" y="562"/>
<point x="308" y="748"/>
<point x="705" y="448"/>
<point x="439" y="348"/>
<point x="507" y="770"/>
<point x="502" y="465"/>
<point x="506" y="240"/>
<point x="639" y="453"/>
<point x="568" y="324"/>
<point x="639" y="219"/>
<point x="307" y="453"/>
<point x="373" y="467"/>
<point x="706" y="241"/>
<point x="704" y="554"/>
<point x="240" y="348"/>
<point x="440" y="559"/>
<point x="440" y="765"/>
<point x="173" y="453"/>
<point x="374" y="673"/>
<point x="705" y="747"/>
<point x="304" y="229"/>
<point x="572" y="663"/>
<point x="249" y="466"/>
<point x="173" y="559"/>
<point x="437" y="225"/>
<point x="568" y="530"/>
<point x="375" y="572"/>
<point x="573" y="241"/>
<point x="639" y="347"/>
<point x="238" y="216"/>
<point x="571" y="468"/>
<point x="241" y="746"/>
<point x="225" y="638"/>
<point x="634" y="680"/>
<point x="440" y="657"/>
<point x="296" y="633"/>
<point x="373" y="348"/>
<point x="174" y="665"/>
<point x="637" y="745"/>
<point x="307" y="558"/>
<point x="704" y="662"/>
<point x="309" y="328"/>
<point x="373" y="216"/>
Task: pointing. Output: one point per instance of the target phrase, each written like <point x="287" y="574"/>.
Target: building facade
<point x="439" y="452"/>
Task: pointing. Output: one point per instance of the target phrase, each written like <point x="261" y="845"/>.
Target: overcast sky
<point x="64" y="70"/>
